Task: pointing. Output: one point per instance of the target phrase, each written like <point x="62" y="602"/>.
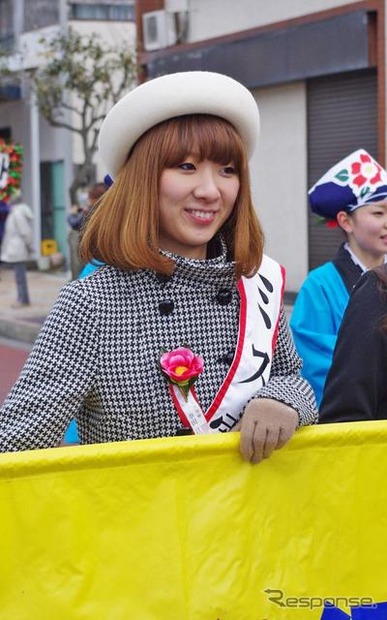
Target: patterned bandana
<point x="355" y="181"/>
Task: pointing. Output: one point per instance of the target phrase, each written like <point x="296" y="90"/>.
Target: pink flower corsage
<point x="181" y="367"/>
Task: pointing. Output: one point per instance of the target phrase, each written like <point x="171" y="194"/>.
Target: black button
<point x="224" y="297"/>
<point x="166" y="306"/>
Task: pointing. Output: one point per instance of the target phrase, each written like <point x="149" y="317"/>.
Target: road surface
<point x="13" y="354"/>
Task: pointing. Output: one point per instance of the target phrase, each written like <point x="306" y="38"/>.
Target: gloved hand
<point x="266" y="425"/>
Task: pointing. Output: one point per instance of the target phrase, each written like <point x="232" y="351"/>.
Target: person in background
<point x="185" y="296"/>
<point x="353" y="195"/>
<point x="17" y="246"/>
<point x="356" y="386"/>
<point x="76" y="220"/>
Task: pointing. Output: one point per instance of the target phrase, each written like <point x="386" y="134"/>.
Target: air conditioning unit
<point x="176" y="6"/>
<point x="159" y="29"/>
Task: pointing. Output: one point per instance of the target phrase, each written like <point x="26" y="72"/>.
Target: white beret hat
<point x="176" y="94"/>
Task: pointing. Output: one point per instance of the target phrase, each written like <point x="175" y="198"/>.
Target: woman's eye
<point x="186" y="166"/>
<point x="229" y="170"/>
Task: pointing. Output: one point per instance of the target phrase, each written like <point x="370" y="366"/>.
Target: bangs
<point x="208" y="137"/>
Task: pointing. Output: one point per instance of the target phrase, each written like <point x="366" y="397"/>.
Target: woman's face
<point x="196" y="198"/>
<point x="367" y="232"/>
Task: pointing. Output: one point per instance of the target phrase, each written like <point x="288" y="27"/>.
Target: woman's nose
<point x="206" y="187"/>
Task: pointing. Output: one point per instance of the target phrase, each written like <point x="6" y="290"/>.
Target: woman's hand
<point x="266" y="425"/>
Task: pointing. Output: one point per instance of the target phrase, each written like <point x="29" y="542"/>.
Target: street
<point x="13" y="354"/>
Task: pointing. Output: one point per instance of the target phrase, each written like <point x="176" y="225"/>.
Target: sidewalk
<point x="24" y="323"/>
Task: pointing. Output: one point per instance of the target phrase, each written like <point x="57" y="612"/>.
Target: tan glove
<point x="266" y="425"/>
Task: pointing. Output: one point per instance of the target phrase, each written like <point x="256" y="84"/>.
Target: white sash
<point x="260" y="304"/>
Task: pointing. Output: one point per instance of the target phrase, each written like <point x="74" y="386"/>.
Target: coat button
<point x="166" y="306"/>
<point x="224" y="297"/>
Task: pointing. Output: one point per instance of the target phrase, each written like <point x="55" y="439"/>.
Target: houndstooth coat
<point x="96" y="357"/>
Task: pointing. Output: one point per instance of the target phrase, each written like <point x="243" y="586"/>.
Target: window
<point x="102" y="12"/>
<point x="6" y="25"/>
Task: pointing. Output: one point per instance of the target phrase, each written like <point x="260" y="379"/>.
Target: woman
<point x="185" y="293"/>
<point x="356" y="386"/>
<point x="17" y="246"/>
<point x="351" y="195"/>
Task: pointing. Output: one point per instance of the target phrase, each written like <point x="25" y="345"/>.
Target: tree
<point x="79" y="79"/>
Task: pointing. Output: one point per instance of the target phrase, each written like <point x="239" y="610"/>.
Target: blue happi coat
<point x="317" y="315"/>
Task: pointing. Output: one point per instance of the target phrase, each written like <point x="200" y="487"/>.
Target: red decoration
<point x="11" y="163"/>
<point x="366" y="170"/>
<point x="331" y="224"/>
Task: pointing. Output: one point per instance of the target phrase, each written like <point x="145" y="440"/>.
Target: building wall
<point x="54" y="144"/>
<point x="279" y="195"/>
<point x="213" y="18"/>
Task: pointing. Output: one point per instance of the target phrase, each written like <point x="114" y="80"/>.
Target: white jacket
<point x="18" y="234"/>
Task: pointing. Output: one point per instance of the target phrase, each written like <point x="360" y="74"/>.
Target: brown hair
<point x="122" y="230"/>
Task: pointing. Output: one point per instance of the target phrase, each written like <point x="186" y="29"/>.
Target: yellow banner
<point x="183" y="529"/>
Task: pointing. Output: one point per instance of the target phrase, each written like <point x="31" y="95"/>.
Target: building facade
<point x="50" y="154"/>
<point x="318" y="72"/>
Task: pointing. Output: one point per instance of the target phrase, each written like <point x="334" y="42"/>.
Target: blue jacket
<point x="317" y="314"/>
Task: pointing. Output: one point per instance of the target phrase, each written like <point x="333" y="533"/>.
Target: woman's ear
<point x="344" y="221"/>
